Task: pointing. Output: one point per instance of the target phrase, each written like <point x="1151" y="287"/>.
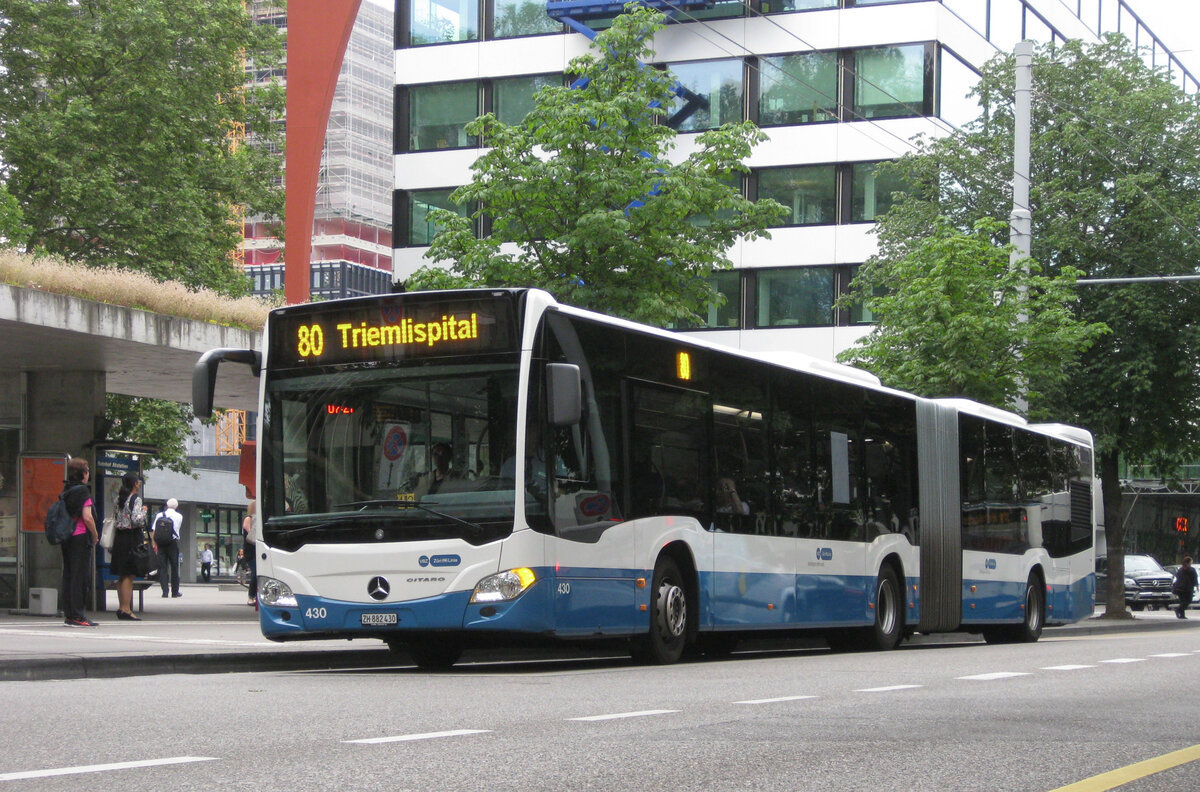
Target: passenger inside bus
<point x="441" y="474"/>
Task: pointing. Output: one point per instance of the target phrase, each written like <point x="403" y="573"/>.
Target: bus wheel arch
<point x="673" y="609"/>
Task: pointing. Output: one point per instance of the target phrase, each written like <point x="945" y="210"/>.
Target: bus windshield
<point x="390" y="453"/>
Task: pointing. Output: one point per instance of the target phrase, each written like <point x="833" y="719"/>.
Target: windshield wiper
<point x="475" y="528"/>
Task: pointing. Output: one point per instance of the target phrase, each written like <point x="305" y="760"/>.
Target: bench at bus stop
<point x="139" y="586"/>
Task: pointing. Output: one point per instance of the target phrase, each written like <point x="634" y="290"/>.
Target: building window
<point x="808" y="191"/>
<point x="795" y="297"/>
<point x="715" y="95"/>
<point x="420" y="230"/>
<point x="442" y="21"/>
<point x="512" y="98"/>
<point x="512" y="18"/>
<point x="892" y="82"/>
<point x="721" y="9"/>
<point x="778" y="6"/>
<point x="872" y="194"/>
<point x="438" y="115"/>
<point x="798" y="89"/>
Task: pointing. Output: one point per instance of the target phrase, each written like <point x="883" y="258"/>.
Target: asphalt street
<point x="210" y="629"/>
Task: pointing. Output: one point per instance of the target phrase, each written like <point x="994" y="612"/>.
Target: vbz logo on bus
<point x="989" y="563"/>
<point x="824" y="553"/>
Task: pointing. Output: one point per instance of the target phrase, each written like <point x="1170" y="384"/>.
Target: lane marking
<point x="413" y="737"/>
<point x="1124" y="775"/>
<point x="101" y="768"/>
<point x="1066" y="667"/>
<point x="887" y="688"/>
<point x="775" y="700"/>
<point x="1125" y="660"/>
<point x="995" y="675"/>
<point x="617" y="715"/>
<point x="1172" y="654"/>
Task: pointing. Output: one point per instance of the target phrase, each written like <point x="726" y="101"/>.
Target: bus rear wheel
<point x="668" y="617"/>
<point x="1030" y="628"/>
<point x="889" y="612"/>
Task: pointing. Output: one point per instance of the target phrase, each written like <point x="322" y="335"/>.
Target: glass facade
<point x="808" y="191"/>
<point x="438" y="115"/>
<point x="511" y="18"/>
<point x="871" y="194"/>
<point x="442" y="21"/>
<point x="891" y="82"/>
<point x="715" y="95"/>
<point x="801" y="88"/>
<point x="420" y="230"/>
<point x="512" y="98"/>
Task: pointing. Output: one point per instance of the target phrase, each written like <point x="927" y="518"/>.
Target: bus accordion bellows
<point x="442" y="470"/>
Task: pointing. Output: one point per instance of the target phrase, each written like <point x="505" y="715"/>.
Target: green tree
<point x="1115" y="192"/>
<point x="119" y="130"/>
<point x="562" y="191"/>
<point x="165" y="424"/>
<point x="955" y="318"/>
<point x="11" y="225"/>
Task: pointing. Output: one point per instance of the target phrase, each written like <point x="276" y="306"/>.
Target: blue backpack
<point x="59" y="523"/>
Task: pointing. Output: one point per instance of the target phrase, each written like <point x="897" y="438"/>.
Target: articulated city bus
<point x="447" y="469"/>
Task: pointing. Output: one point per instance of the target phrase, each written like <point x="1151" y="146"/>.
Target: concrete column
<point x="62" y="408"/>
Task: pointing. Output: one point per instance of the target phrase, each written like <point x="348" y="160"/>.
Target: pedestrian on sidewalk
<point x="206" y="559"/>
<point x="130" y="521"/>
<point x="167" y="525"/>
<point x="77" y="550"/>
<point x="248" y="532"/>
<point x="1185" y="586"/>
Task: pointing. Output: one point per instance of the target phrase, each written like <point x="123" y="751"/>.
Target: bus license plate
<point x="379" y="619"/>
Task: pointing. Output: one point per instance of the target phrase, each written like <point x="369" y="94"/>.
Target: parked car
<point x="1173" y="569"/>
<point x="1147" y="584"/>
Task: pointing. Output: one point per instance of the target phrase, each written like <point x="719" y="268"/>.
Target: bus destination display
<point x="365" y="331"/>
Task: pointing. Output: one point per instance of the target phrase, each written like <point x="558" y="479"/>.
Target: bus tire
<point x="888" y="629"/>
<point x="437" y="656"/>
<point x="667" y="638"/>
<point x="1030" y="628"/>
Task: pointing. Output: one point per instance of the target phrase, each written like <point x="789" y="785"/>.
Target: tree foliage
<point x="955" y="318"/>
<point x="165" y="424"/>
<point x="584" y="202"/>
<point x="1115" y="192"/>
<point x="119" y="123"/>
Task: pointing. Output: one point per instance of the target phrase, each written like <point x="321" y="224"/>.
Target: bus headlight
<point x="276" y="593"/>
<point x="503" y="585"/>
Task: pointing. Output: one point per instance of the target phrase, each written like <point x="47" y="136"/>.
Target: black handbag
<point x="145" y="560"/>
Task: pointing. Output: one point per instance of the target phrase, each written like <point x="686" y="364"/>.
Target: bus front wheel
<point x="429" y="656"/>
<point x="668" y="617"/>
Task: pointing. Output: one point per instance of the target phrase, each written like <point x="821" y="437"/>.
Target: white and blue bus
<point x="441" y="470"/>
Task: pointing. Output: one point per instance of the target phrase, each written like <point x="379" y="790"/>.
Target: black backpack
<point x="59" y="525"/>
<point x="164" y="529"/>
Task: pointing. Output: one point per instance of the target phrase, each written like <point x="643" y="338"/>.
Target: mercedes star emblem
<point x="378" y="588"/>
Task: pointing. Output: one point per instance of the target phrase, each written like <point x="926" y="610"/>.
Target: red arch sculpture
<point x="318" y="31"/>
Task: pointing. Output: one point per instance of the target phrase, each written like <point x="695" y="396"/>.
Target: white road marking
<point x="1171" y="654"/>
<point x="774" y="700"/>
<point x="617" y="715"/>
<point x="412" y="737"/>
<point x="1125" y="660"/>
<point x="100" y="768"/>
<point x="995" y="675"/>
<point x="1066" y="667"/>
<point x="888" y="688"/>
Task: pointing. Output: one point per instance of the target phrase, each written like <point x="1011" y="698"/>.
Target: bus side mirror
<point x="564" y="393"/>
<point x="204" y="375"/>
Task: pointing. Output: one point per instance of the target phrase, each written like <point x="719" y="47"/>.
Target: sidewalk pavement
<point x="211" y="629"/>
